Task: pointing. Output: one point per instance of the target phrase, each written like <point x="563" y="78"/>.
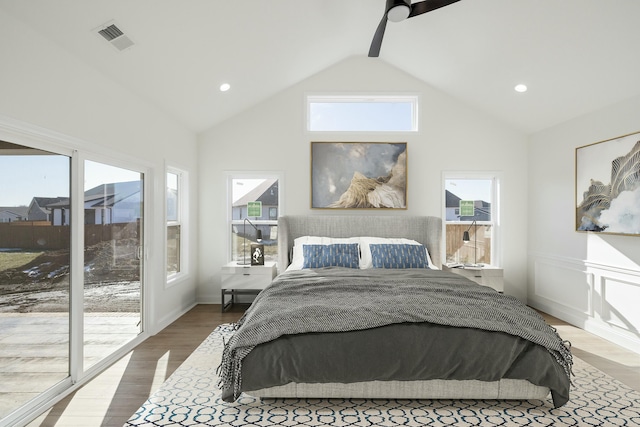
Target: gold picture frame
<point x="608" y="186"/>
<point x="358" y="175"/>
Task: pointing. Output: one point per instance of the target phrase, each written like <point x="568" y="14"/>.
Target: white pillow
<point x="297" y="261"/>
<point x="366" y="261"/>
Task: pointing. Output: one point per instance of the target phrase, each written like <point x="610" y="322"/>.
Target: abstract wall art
<point x="608" y="186"/>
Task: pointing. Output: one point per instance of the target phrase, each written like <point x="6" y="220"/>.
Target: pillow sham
<point x="398" y="256"/>
<point x="336" y="255"/>
<point x="365" y="242"/>
<point x="297" y="258"/>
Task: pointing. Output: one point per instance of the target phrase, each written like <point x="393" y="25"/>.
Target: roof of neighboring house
<point x="482" y="209"/>
<point x="16" y="210"/>
<point x="43" y="202"/>
<point x="104" y="195"/>
<point x="451" y="200"/>
<point x="261" y="193"/>
<point x="113" y="188"/>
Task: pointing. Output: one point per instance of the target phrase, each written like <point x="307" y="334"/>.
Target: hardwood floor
<point x="618" y="362"/>
<point x="112" y="397"/>
<point x="34" y="350"/>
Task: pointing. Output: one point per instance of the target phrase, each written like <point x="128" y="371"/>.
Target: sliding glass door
<point x="71" y="271"/>
<point x="34" y="273"/>
<point x="113" y="218"/>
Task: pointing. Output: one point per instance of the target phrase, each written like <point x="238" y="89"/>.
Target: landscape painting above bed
<point x="358" y="175"/>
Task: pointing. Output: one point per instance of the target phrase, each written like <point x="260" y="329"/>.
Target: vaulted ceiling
<point x="575" y="56"/>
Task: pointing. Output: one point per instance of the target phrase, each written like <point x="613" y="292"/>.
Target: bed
<point x="360" y="309"/>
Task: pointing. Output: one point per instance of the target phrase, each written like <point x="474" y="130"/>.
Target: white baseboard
<point x="169" y="318"/>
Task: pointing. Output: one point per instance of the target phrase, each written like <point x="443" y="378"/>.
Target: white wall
<point x="43" y="86"/>
<point x="590" y="280"/>
<point x="271" y="136"/>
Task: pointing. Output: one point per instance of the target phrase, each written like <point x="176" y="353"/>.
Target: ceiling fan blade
<point x="376" y="43"/>
<point x="428" y="5"/>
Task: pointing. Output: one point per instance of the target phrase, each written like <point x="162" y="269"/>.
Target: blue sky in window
<point x="242" y="186"/>
<point x="26" y="177"/>
<point x="360" y="116"/>
<point x="470" y="189"/>
<point x="99" y="173"/>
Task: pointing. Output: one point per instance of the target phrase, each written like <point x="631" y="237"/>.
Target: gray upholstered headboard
<point x="424" y="229"/>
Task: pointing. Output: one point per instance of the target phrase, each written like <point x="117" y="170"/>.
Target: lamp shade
<point x="259" y="235"/>
<point x="465" y="236"/>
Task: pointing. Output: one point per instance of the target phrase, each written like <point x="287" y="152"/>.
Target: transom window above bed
<point x="362" y="113"/>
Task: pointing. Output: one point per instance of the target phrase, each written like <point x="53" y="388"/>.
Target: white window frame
<point x="183" y="221"/>
<point x="230" y="176"/>
<point x="496" y="208"/>
<point x="363" y="98"/>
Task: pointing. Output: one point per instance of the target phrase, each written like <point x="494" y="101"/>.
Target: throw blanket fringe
<point x="337" y="299"/>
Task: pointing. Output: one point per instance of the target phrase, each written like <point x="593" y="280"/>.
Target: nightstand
<point x="486" y="275"/>
<point x="244" y="280"/>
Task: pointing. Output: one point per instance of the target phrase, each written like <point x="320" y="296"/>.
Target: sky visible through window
<point x="361" y="116"/>
<point x="242" y="186"/>
<point x="26" y="177"/>
<point x="470" y="189"/>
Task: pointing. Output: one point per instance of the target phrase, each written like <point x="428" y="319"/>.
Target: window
<point x="175" y="202"/>
<point x="471" y="206"/>
<point x="362" y="113"/>
<point x="255" y="197"/>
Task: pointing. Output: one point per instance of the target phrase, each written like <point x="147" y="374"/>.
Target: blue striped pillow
<point x="399" y="256"/>
<point x="336" y="255"/>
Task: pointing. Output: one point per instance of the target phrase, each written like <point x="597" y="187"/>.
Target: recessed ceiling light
<point x="225" y="87"/>
<point x="521" y="88"/>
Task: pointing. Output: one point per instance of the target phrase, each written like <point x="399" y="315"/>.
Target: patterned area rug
<point x="190" y="398"/>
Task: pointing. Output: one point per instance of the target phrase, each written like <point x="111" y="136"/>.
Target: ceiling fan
<point x="399" y="10"/>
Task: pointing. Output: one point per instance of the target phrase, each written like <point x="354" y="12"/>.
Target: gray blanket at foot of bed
<point x="433" y="352"/>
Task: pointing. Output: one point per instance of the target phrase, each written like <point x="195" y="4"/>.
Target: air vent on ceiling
<point x="115" y="36"/>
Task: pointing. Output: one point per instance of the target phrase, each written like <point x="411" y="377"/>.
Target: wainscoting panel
<point x="599" y="298"/>
<point x="620" y="298"/>
<point x="568" y="284"/>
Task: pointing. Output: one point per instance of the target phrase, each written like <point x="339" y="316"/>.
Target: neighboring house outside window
<point x="176" y="194"/>
<point x="479" y="195"/>
<point x="245" y="189"/>
<point x="39" y="209"/>
<point x="13" y="213"/>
